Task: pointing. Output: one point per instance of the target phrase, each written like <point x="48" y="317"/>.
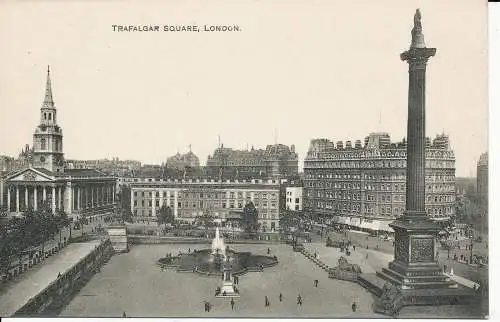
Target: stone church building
<point x="78" y="192"/>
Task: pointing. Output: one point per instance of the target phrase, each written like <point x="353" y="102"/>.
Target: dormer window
<point x="44" y="116"/>
<point x="50" y="116"/>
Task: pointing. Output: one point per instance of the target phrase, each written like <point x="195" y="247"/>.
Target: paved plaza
<point x="39" y="277"/>
<point x="134" y="284"/>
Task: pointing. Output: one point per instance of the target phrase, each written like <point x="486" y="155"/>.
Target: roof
<point x="84" y="173"/>
<point x="49" y="173"/>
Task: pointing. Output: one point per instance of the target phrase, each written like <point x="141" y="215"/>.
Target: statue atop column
<point x="417" y="37"/>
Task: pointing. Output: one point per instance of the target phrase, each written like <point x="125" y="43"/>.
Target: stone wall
<point x="57" y="294"/>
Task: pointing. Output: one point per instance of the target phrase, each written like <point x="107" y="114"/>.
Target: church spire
<point x="48" y="101"/>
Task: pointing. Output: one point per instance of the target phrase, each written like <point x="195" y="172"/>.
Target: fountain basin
<point x="205" y="263"/>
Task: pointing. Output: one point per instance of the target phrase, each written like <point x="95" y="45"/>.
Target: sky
<point x="295" y="71"/>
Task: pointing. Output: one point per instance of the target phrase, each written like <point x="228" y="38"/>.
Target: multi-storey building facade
<point x="192" y="198"/>
<point x="482" y="177"/>
<point x="294" y="198"/>
<point x="364" y="187"/>
<point x="276" y="161"/>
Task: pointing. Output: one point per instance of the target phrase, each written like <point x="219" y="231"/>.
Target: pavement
<point x="39" y="277"/>
<point x="174" y="294"/>
<point x="51" y="243"/>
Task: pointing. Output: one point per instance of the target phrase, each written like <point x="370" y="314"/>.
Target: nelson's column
<point x="415" y="272"/>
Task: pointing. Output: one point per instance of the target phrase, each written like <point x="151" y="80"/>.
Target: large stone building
<point x="364" y="186"/>
<point x="45" y="179"/>
<point x="482" y="177"/>
<point x="192" y="198"/>
<point x="115" y="166"/>
<point x="182" y="161"/>
<point x="276" y="161"/>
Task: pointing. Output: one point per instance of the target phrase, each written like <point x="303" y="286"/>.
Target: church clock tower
<point x="47" y="139"/>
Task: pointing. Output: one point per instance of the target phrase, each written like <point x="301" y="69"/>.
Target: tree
<point x="165" y="215"/>
<point x="7" y="248"/>
<point x="249" y="218"/>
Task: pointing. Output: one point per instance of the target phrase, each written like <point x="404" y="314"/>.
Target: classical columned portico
<point x="27" y="196"/>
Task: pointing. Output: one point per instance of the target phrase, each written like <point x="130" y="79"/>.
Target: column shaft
<point x="8" y="199"/>
<point x="26" y="197"/>
<point x="35" y="199"/>
<point x="54" y="200"/>
<point x="17" y="199"/>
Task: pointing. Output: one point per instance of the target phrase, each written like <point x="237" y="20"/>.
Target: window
<point x="50" y="116"/>
<point x="43" y="144"/>
<point x="296" y="207"/>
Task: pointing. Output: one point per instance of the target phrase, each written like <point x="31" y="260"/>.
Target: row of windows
<point x="382" y="187"/>
<point x="368" y="176"/>
<point x="232" y="195"/>
<point x="201" y="204"/>
<point x="297" y="200"/>
<point x="57" y="145"/>
<point x="347" y="207"/>
<point x="375" y="164"/>
<point x="382" y="198"/>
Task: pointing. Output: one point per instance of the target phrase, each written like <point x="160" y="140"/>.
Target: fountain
<point x="218" y="245"/>
<point x="213" y="261"/>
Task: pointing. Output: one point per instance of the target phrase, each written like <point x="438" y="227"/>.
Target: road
<point x="376" y="245"/>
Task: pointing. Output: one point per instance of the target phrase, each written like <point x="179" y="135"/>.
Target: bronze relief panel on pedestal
<point x="422" y="249"/>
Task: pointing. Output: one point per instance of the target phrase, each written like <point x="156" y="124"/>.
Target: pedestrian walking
<point x="299" y="300"/>
<point x="366" y="255"/>
<point x="353" y="247"/>
<point x="124" y="314"/>
<point x="354" y="306"/>
<point x="232" y="304"/>
<point x="266" y="301"/>
<point x="315" y="283"/>
<point x="281" y="297"/>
